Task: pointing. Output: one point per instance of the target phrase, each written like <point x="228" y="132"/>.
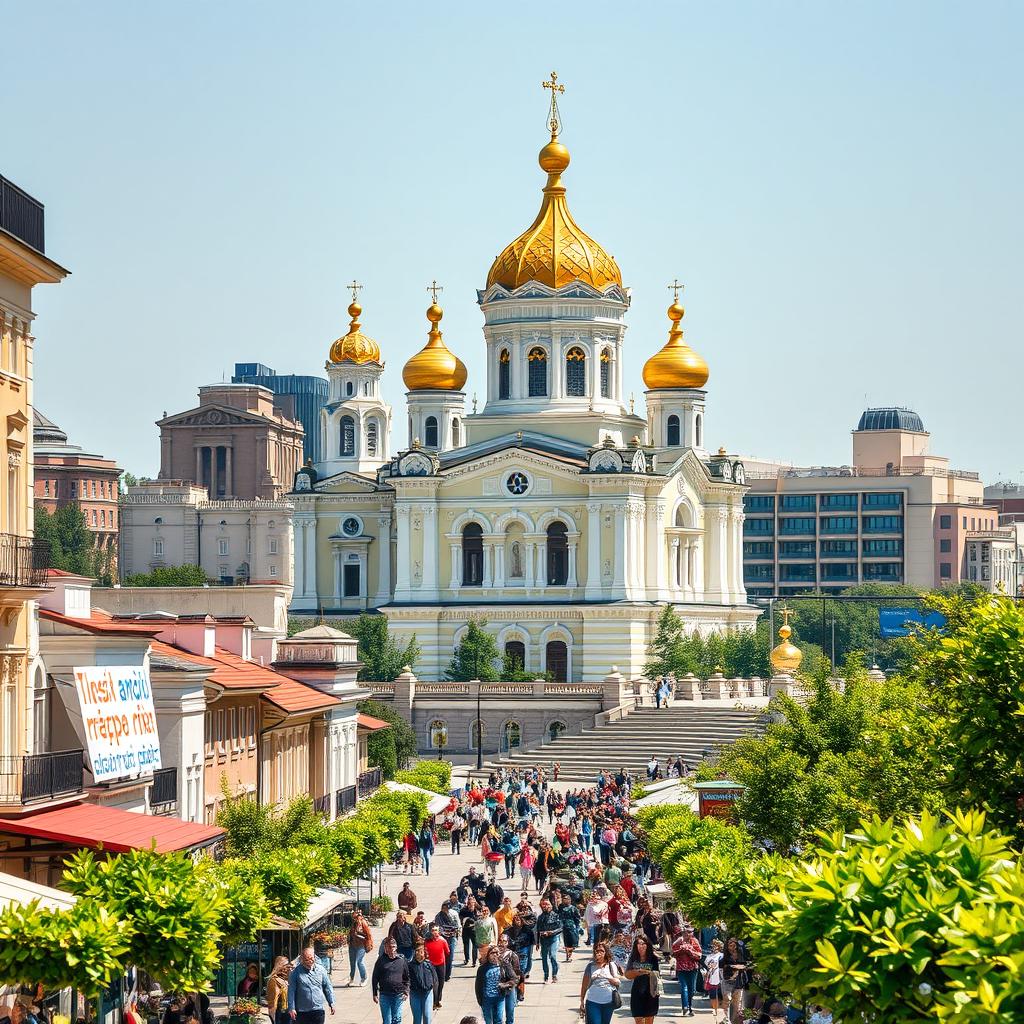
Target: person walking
<point x="360" y="942"/>
<point x="485" y="931"/>
<point x="277" y="991"/>
<point x="514" y="994"/>
<point x="521" y="940"/>
<point x="407" y="898"/>
<point x="404" y="934"/>
<point x="526" y="861"/>
<point x="686" y="950"/>
<point x="309" y="989"/>
<point x="494" y="977"/>
<point x="643" y="971"/>
<point x="389" y="982"/>
<point x="549" y="928"/>
<point x="458" y="826"/>
<point x="468" y="915"/>
<point x="600" y="987"/>
<point x="422" y="985"/>
<point x="450" y="927"/>
<point x="493" y="896"/>
<point x="735" y="977"/>
<point x="569" y="915"/>
<point x="425" y="841"/>
<point x="438" y="952"/>
<point x="713" y="982"/>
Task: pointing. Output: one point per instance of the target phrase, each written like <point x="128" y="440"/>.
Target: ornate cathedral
<point x="555" y="513"/>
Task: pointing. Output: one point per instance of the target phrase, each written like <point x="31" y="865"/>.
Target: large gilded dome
<point x="434" y="367"/>
<point x="554" y="250"/>
<point x="355" y="347"/>
<point x="676" y="365"/>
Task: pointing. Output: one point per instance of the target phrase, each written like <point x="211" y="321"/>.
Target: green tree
<point x="476" y="656"/>
<point x="382" y="656"/>
<point x="69" y="538"/>
<point x="433" y="775"/>
<point x="388" y="748"/>
<point x="918" y="922"/>
<point x="169" y="576"/>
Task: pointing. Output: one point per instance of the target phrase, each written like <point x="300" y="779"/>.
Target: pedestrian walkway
<point x="544" y="1004"/>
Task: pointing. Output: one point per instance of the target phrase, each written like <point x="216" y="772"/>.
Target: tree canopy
<point x="476" y="656"/>
<point x="169" y="576"/>
<point x="388" y="748"/>
<point x="71" y="543"/>
<point x="382" y="656"/>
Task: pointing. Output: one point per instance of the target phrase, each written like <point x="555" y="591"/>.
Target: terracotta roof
<point x="59" y="572"/>
<point x="114" y="829"/>
<point x="293" y="696"/>
<point x="101" y="623"/>
<point x="371" y="723"/>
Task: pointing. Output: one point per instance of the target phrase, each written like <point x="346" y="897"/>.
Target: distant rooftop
<point x="890" y="417"/>
<point x="21" y="215"/>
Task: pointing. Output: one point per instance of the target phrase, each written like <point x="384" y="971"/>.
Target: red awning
<point x="370" y="723"/>
<point x="112" y="828"/>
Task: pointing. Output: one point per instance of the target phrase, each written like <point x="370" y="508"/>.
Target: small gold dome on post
<point x="676" y="365"/>
<point x="435" y="367"/>
<point x="786" y="657"/>
<point x="355" y="347"/>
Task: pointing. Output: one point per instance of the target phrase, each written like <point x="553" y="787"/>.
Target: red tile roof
<point x="371" y="723"/>
<point x="116" y="830"/>
<point x="293" y="696"/>
<point x="101" y="623"/>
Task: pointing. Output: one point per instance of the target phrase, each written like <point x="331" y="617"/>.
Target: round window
<point x="517" y="483"/>
<point x="351" y="526"/>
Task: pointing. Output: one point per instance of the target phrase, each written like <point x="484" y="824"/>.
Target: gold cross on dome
<point x="676" y="287"/>
<point x="434" y="288"/>
<point x="355" y="288"/>
<point x="785" y="616"/>
<point x="554" y="121"/>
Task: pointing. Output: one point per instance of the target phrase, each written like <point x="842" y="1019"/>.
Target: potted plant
<point x="379" y="906"/>
<point x="244" y="1011"/>
<point x="328" y="938"/>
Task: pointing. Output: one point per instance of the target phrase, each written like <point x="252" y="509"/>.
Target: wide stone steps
<point x="631" y="742"/>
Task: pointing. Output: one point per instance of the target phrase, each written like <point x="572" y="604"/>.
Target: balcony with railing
<point x="36" y="778"/>
<point x="368" y="782"/>
<point x="344" y="800"/>
<point x="163" y="794"/>
<point x="21" y="215"/>
<point x="23" y="563"/>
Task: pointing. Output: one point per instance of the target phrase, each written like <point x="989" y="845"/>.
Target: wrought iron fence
<point x="165" y="787"/>
<point x="23" y="561"/>
<point x="368" y="782"/>
<point x="29" y="777"/>
<point x="21" y="215"/>
<point x="344" y="800"/>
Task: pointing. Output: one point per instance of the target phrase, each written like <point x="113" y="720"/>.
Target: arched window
<point x="576" y="372"/>
<point x="537" y="360"/>
<point x="606" y="367"/>
<point x="430" y="432"/>
<point x="556" y="660"/>
<point x="699" y="431"/>
<point x="456" y="432"/>
<point x="515" y="654"/>
<point x="672" y="432"/>
<point x="558" y="555"/>
<point x="511" y="736"/>
<point x="555" y="729"/>
<point x="371" y="438"/>
<point x="472" y="555"/>
<point x="348" y="435"/>
<point x="350" y="388"/>
<point x="504" y="374"/>
<point x="437" y="733"/>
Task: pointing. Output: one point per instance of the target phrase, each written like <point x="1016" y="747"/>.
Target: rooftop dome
<point x="675" y="365"/>
<point x="434" y="367"/>
<point x="891" y="417"/>
<point x="355" y="347"/>
<point x="45" y="431"/>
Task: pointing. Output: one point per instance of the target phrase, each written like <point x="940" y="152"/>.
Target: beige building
<point x="172" y="523"/>
<point x="241" y="441"/>
<point x="23" y="265"/>
<point x="897" y="513"/>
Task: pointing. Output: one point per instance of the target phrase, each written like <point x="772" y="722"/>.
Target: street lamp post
<point x="479" y="719"/>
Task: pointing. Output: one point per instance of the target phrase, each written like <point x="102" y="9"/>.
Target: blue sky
<point x="838" y="185"/>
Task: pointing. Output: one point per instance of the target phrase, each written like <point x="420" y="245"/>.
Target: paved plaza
<point x="544" y="1004"/>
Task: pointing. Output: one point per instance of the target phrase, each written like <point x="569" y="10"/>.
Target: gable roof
<point x="101" y="623"/>
<point x="570" y="453"/>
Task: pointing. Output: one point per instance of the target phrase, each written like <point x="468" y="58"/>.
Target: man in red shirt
<point x="438" y="951"/>
<point x="686" y="950"/>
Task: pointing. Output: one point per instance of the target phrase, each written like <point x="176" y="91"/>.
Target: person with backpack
<point x="425" y="843"/>
<point x="599" y="992"/>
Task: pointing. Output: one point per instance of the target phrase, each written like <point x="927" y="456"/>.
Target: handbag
<point x="654" y="984"/>
<point x="616" y="994"/>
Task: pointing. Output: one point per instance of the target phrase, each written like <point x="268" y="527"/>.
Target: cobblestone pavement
<point x="544" y="1004"/>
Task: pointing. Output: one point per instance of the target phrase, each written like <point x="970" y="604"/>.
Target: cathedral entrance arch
<point x="556" y="660"/>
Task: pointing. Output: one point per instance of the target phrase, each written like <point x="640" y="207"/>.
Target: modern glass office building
<point x="310" y="395"/>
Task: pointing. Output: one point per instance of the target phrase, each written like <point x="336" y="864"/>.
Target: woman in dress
<point x="713" y="982"/>
<point x="642" y="970"/>
<point x="570" y="915"/>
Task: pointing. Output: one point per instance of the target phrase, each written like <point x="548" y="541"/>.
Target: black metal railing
<point x="23" y="561"/>
<point x="29" y="777"/>
<point x="368" y="782"/>
<point x="344" y="800"/>
<point x="322" y="804"/>
<point x="21" y="215"/>
<point x="165" y="787"/>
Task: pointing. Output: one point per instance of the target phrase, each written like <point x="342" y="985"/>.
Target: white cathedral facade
<point x="554" y="513"/>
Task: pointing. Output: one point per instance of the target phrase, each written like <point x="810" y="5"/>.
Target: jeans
<point x="687" y="980"/>
<point x="510" y="865"/>
<point x="456" y="842"/>
<point x="449" y="960"/>
<point x="494" y="1009"/>
<point x="309" y="1017"/>
<point x="422" y="1006"/>
<point x="593" y="931"/>
<point x="391" y="1008"/>
<point x="356" y="958"/>
<point x="469" y="943"/>
<point x="598" y="1013"/>
<point x="510" y="1006"/>
<point x="426" y="855"/>
<point x="526" y="959"/>
<point x="549" y="954"/>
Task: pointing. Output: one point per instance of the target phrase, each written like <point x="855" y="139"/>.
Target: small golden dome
<point x="676" y="365"/>
<point x="554" y="250"/>
<point x="355" y="347"/>
<point x="434" y="367"/>
<point x="786" y="657"/>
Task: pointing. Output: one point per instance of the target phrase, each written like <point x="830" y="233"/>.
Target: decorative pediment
<point x="419" y="462"/>
<point x="345" y="482"/>
<point x="218" y="416"/>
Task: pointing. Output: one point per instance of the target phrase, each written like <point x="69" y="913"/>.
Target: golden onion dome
<point x="434" y="367"/>
<point x="676" y="365"/>
<point x="554" y="250"/>
<point x="786" y="657"/>
<point x="355" y="347"/>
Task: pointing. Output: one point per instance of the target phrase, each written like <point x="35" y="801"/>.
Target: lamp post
<point x="440" y="741"/>
<point x="479" y="719"/>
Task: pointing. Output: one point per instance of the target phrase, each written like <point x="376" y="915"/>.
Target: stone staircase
<point x="628" y="743"/>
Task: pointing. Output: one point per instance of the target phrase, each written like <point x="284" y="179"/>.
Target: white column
<point x="619" y="545"/>
<point x="696" y="572"/>
<point x="403" y="554"/>
<point x="542" y="562"/>
<point x="715" y="533"/>
<point x="531" y="564"/>
<point x="677" y="568"/>
<point x="499" y="565"/>
<point x="617" y="368"/>
<point x="337" y="578"/>
<point x="383" y="561"/>
<point x="429" y="582"/>
<point x="557" y="386"/>
<point x="488" y="580"/>
<point x="310" y="559"/>
<point x="571" y="578"/>
<point x="299" y="569"/>
<point x="593" y="551"/>
<point x="739" y="593"/>
<point x="653" y="547"/>
<point x="456" y="549"/>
